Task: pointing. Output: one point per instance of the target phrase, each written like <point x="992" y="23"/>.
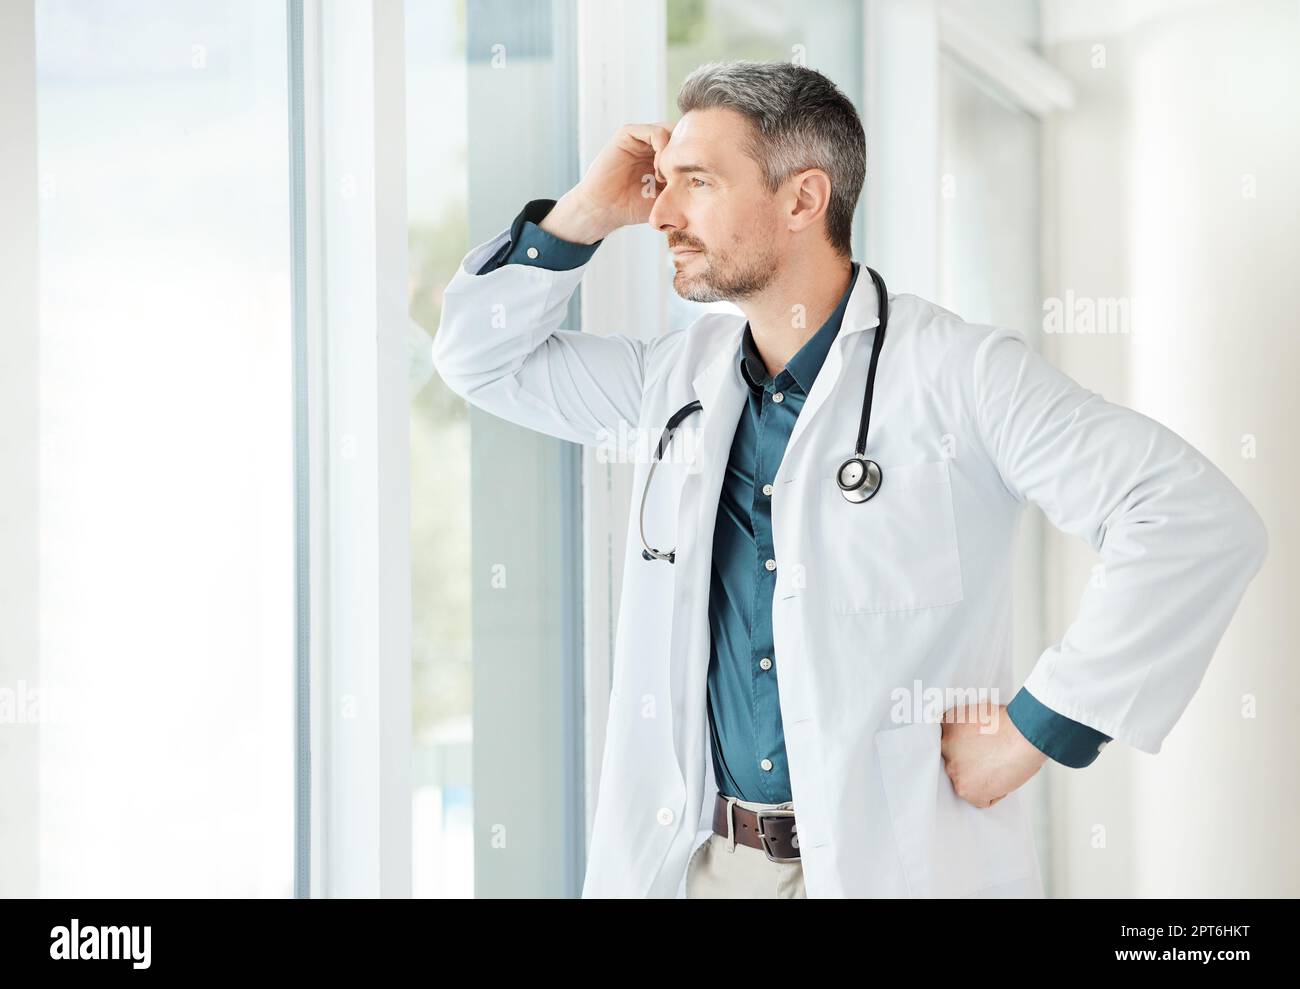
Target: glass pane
<point x="437" y="134"/>
<point x="496" y="571"/>
<point x="989" y="187"/>
<point x="166" y="542"/>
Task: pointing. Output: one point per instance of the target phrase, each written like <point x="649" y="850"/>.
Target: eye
<point x="699" y="180"/>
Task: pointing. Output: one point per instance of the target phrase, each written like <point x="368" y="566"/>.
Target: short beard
<point x="729" y="285"/>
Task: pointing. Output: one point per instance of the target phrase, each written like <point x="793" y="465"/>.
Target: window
<point x="495" y="566"/>
<point x="166" y="499"/>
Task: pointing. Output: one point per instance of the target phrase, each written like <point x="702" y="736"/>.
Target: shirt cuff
<point x="1061" y="738"/>
<point x="530" y="244"/>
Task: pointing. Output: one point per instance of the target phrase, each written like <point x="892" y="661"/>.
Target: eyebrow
<point x="682" y="169"/>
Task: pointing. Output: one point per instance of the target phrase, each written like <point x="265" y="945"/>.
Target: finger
<point x="653" y="136"/>
<point x="662" y="135"/>
<point x="661" y="138"/>
<point x="656" y="136"/>
<point x="638" y="141"/>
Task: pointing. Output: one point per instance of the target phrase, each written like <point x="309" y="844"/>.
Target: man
<point x="883" y="765"/>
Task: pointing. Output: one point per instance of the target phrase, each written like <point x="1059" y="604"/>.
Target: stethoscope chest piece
<point x="859" y="479"/>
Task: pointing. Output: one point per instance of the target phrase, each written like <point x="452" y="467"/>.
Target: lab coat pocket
<point x="947" y="846"/>
<point x="896" y="552"/>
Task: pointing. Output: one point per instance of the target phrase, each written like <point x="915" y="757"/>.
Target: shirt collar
<point x="805" y="364"/>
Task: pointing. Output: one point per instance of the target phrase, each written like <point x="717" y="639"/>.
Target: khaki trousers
<point x="721" y="868"/>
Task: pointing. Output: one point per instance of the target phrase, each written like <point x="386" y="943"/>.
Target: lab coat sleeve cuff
<point x="549" y="251"/>
<point x="1064" y="740"/>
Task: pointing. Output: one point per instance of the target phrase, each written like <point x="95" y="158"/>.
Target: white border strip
<point x="19" y="446"/>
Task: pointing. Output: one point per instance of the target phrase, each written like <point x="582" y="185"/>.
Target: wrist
<point x="1027" y="752"/>
<point x="575" y="220"/>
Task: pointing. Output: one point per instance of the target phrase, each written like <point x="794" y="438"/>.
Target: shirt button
<point x="778" y="397"/>
<point x="767" y="489"/>
<point x="1101" y="746"/>
<point x="665" y="815"/>
<point x="765" y="663"/>
<point x="531" y="252"/>
<point x="770" y="564"/>
<point x="766" y="764"/>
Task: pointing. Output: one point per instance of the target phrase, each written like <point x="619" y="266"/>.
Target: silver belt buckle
<point x="762" y="815"/>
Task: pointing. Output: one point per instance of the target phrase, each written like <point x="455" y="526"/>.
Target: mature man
<point x="847" y="779"/>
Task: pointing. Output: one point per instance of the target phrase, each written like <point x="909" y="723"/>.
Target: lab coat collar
<point x="863" y="311"/>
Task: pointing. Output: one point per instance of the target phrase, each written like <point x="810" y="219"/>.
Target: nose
<point x="664" y="214"/>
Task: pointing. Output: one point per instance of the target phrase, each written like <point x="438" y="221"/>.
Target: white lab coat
<point x="909" y="592"/>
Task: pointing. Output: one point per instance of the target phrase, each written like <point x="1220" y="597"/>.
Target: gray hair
<point x="799" y="119"/>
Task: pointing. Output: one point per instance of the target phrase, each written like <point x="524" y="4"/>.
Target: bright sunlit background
<point x="166" y="564"/>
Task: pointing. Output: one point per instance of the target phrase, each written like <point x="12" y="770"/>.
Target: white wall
<point x="1171" y="184"/>
<point x="19" y="453"/>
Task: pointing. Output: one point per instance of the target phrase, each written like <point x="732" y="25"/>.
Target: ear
<point x="811" y="196"/>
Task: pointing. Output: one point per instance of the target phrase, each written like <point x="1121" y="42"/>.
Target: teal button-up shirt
<point x="748" y="742"/>
<point x="749" y="758"/>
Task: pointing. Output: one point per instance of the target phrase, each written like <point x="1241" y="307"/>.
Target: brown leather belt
<point x="772" y="831"/>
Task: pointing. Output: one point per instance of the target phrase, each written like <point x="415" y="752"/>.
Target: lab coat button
<point x="665" y="815"/>
<point x="766" y="764"/>
<point x="532" y="252"/>
<point x="765" y="663"/>
<point x="767" y="489"/>
<point x="770" y="564"/>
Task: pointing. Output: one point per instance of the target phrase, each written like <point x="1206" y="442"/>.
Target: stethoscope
<point x="858" y="478"/>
